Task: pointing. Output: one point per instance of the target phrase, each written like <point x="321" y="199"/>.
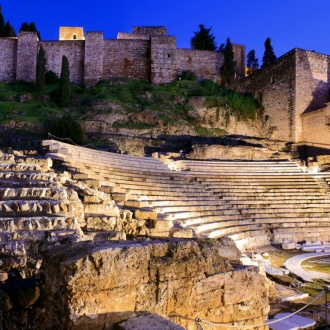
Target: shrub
<point x="67" y="127"/>
<point x="51" y="78"/>
<point x="187" y="75"/>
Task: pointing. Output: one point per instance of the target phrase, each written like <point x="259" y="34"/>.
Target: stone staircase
<point x="277" y="196"/>
<point x="34" y="205"/>
<point x="254" y="203"/>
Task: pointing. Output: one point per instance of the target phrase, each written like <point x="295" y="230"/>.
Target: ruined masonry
<point x="68" y="237"/>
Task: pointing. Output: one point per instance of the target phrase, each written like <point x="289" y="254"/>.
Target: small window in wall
<point x="74" y="37"/>
<point x="168" y="55"/>
<point x="272" y="79"/>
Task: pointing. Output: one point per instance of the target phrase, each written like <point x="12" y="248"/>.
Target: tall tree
<point x="269" y="55"/>
<point x="31" y="28"/>
<point x="251" y="62"/>
<point x="2" y="23"/>
<point x="203" y="39"/>
<point x="41" y="70"/>
<point x="65" y="88"/>
<point x="25" y="27"/>
<point x="227" y="70"/>
<point x="9" y="30"/>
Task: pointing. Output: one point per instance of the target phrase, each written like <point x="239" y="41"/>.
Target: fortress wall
<point x="8" y="55"/>
<point x="316" y="127"/>
<point x="126" y="59"/>
<point x="274" y="87"/>
<point x="130" y="36"/>
<point x="312" y="89"/>
<point x="155" y="31"/>
<point x="239" y="58"/>
<point x="206" y="64"/>
<point x="27" y="51"/>
<point x="73" y="50"/>
<point x="93" y="66"/>
<point x="163" y="54"/>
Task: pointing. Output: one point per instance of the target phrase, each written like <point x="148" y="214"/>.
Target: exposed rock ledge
<point x="97" y="285"/>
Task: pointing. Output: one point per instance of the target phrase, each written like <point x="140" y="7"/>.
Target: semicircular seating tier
<point x="253" y="202"/>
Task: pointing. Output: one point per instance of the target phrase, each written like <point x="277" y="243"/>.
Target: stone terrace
<point x="254" y="203"/>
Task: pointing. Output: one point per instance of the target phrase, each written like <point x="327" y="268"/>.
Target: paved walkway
<point x="293" y="265"/>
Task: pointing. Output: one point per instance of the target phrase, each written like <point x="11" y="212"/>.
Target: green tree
<point x="2" y="24"/>
<point x="25" y="27"/>
<point x="251" y="62"/>
<point x="227" y="70"/>
<point x="66" y="127"/>
<point x="269" y="55"/>
<point x="65" y="88"/>
<point x="203" y="39"/>
<point x="33" y="28"/>
<point x="9" y="30"/>
<point x="41" y="70"/>
<point x="30" y="28"/>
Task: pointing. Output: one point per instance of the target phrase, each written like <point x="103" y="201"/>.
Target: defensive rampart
<point x="146" y="54"/>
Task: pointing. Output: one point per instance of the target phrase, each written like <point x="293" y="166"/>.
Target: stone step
<point x="37" y="223"/>
<point x="192" y="208"/>
<point x="232" y="163"/>
<point x="33" y="193"/>
<point x="178" y="202"/>
<point x="21" y="167"/>
<point x="28" y="184"/>
<point x="278" y="210"/>
<point x="278" y="205"/>
<point x="133" y="175"/>
<point x="274" y="194"/>
<point x="301" y="234"/>
<point x="288" y="221"/>
<point x="281" y="216"/>
<point x="11" y="240"/>
<point x="269" y="190"/>
<point x="195" y="214"/>
<point x="266" y="199"/>
<point x="13" y="208"/>
<point x="27" y="176"/>
<point x="267" y="185"/>
<point x="208" y="226"/>
<point x="221" y="232"/>
<point x="251" y="242"/>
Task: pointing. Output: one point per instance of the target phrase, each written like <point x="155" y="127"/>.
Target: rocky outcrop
<point x="98" y="284"/>
<point x="235" y="152"/>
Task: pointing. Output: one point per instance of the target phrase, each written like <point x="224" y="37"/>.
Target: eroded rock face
<point x="101" y="283"/>
<point x="235" y="152"/>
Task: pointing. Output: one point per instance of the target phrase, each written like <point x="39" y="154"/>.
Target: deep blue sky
<point x="289" y="23"/>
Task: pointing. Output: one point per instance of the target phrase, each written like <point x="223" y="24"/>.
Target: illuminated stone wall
<point x="27" y="50"/>
<point x="202" y="62"/>
<point x="71" y="33"/>
<point x="73" y="50"/>
<point x="274" y="86"/>
<point x="316" y="127"/>
<point x="163" y="53"/>
<point x="93" y="66"/>
<point x="146" y="54"/>
<point x="126" y="59"/>
<point x="8" y="57"/>
<point x="296" y="84"/>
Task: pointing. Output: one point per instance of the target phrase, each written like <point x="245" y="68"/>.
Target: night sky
<point x="289" y="23"/>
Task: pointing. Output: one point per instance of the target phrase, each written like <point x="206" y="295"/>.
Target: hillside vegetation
<point x="25" y="110"/>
